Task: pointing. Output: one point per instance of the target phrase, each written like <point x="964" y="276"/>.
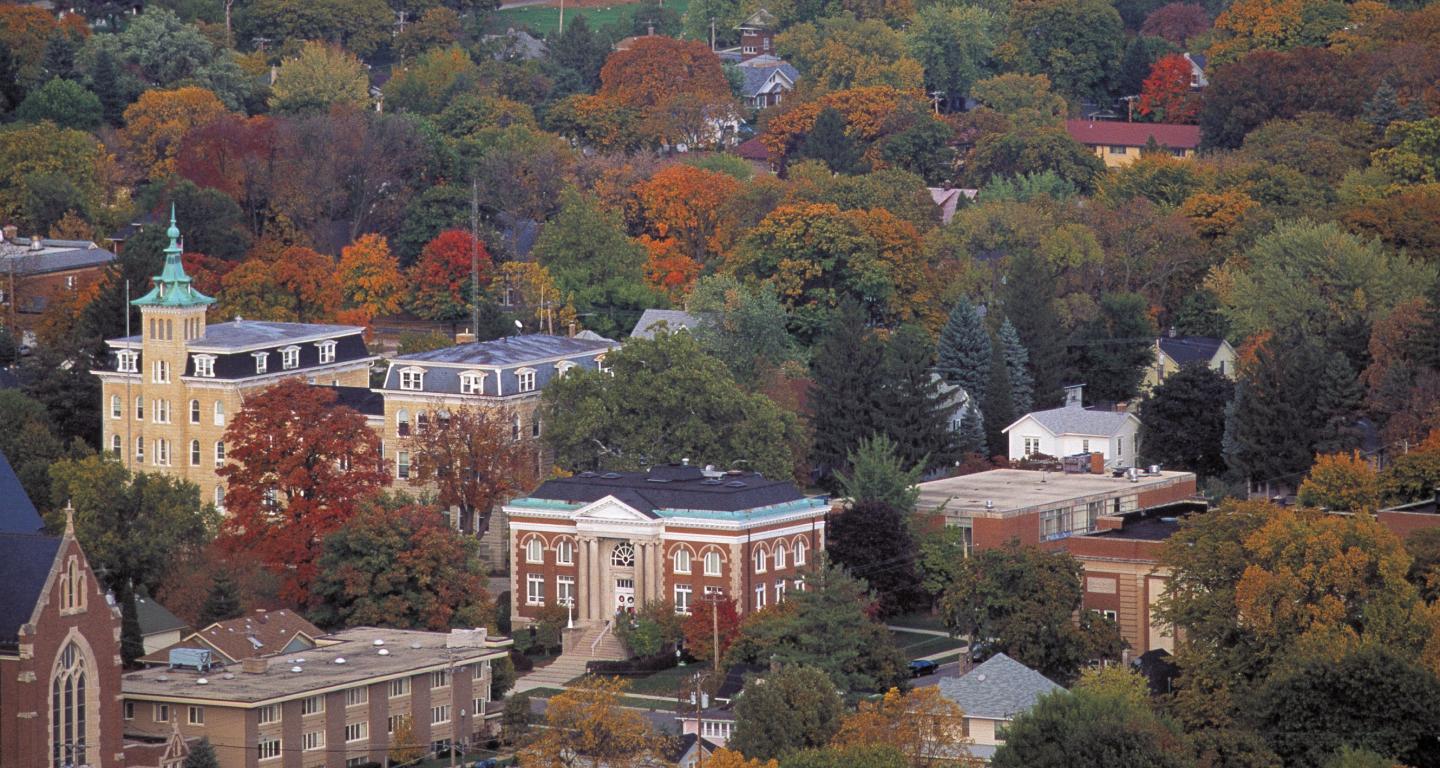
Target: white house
<point x="1073" y="429"/>
<point x="991" y="695"/>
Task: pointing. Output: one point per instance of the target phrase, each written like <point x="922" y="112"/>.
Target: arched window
<point x="565" y="552"/>
<point x="534" y="550"/>
<point x="682" y="560"/>
<point x="712" y="563"/>
<point x="194" y="411"/>
<point x="115" y="445"/>
<point x="219" y="414"/>
<point x="117" y="410"/>
<point x="402" y="422"/>
<point x="780" y="554"/>
<point x="761" y="558"/>
<point x="219" y="452"/>
<point x="68" y="710"/>
<point x="194" y="453"/>
<point x="623" y="555"/>
<point x="800" y="549"/>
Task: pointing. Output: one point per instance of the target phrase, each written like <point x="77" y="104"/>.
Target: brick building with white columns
<point x="617" y="540"/>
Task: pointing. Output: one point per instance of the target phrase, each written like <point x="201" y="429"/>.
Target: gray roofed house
<point x="767" y="79"/>
<point x="993" y="694"/>
<point x="158" y="626"/>
<point x="656" y="319"/>
<point x="516" y="45"/>
<point x="24" y="257"/>
<point x="1073" y="429"/>
<point x="1173" y="351"/>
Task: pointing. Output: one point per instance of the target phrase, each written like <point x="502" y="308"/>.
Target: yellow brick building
<point x="169" y="391"/>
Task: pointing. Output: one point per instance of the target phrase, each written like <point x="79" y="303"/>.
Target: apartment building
<point x="341" y="703"/>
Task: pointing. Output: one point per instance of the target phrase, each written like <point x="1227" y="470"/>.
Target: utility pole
<point x="474" y="257"/>
<point x="712" y="35"/>
<point x="562" y="17"/>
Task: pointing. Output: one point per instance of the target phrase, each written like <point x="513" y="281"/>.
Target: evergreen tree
<point x="911" y="408"/>
<point x="202" y="755"/>
<point x="1338" y="404"/>
<point x="1384" y="108"/>
<point x="1182" y="422"/>
<point x="880" y="475"/>
<point x="105" y="82"/>
<point x="964" y="350"/>
<point x="1017" y="370"/>
<point x="132" y="643"/>
<point x="842" y="390"/>
<point x="999" y="408"/>
<point x="1270" y="434"/>
<point x="581" y="50"/>
<point x="11" y="91"/>
<point x="59" y="58"/>
<point x="872" y="541"/>
<point x="1030" y="305"/>
<point x="828" y="142"/>
<point x="972" y="430"/>
<point x="222" y="602"/>
<point x="1109" y="354"/>
<point x="1426" y="344"/>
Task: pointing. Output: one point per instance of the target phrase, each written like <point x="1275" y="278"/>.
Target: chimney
<point x="1172" y="334"/>
<point x="11" y="232"/>
<point x="258" y="666"/>
<point x="1073" y="396"/>
<point x="465" y="337"/>
<point x="37" y="243"/>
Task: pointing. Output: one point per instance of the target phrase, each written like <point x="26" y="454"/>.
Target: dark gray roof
<point x="1190" y="349"/>
<point x="999" y="689"/>
<point x="238" y="334"/>
<point x="673" y="319"/>
<point x="672" y="487"/>
<point x="1147" y="528"/>
<point x="511" y="350"/>
<point x="28" y="558"/>
<point x="757" y="70"/>
<point x="56" y="256"/>
<point x="1075" y="420"/>
<point x="155" y="618"/>
<point x="17" y="513"/>
<point x="362" y="399"/>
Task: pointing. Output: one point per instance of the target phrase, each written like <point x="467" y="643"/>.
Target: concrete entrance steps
<point x="571" y="664"/>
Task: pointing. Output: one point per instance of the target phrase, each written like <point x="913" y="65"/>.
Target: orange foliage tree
<point x="1166" y="96"/>
<point x="667" y="267"/>
<point x="207" y="273"/>
<point x="1214" y="215"/>
<point x="157" y="122"/>
<point x="297" y="284"/>
<point x="727" y="758"/>
<point x="677" y="87"/>
<point x="299" y="464"/>
<point x="922" y="725"/>
<point x="868" y="113"/>
<point x="473" y="459"/>
<point x="1341" y="482"/>
<point x="597" y="121"/>
<point x="370" y="279"/>
<point x="440" y="279"/>
<point x="688" y="205"/>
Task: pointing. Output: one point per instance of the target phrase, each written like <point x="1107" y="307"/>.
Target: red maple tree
<point x="441" y="277"/>
<point x="474" y="459"/>
<point x="699" y="628"/>
<point x="299" y="466"/>
<point x="1166" y="96"/>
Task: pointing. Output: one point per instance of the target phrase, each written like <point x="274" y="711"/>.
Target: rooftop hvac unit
<point x="198" y="659"/>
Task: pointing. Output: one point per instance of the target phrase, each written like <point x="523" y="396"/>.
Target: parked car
<point x="923" y="667"/>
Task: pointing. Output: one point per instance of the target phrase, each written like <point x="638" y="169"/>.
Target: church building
<point x="603" y="543"/>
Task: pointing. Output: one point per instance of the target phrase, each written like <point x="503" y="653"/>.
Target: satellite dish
<point x="519" y="326"/>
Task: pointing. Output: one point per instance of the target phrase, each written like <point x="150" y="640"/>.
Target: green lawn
<point x="914" y="644"/>
<point x="625" y="701"/>
<point x="545" y="20"/>
<point x="918" y="620"/>
<point x="667" y="681"/>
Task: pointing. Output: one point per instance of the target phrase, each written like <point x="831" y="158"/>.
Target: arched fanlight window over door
<point x="623" y="555"/>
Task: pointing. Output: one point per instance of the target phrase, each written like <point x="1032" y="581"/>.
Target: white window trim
<point x="205" y="366"/>
<point x="289" y="358"/>
<point x="327" y="351"/>
<point x="564" y="552"/>
<point x="262" y="361"/>
<point x="472" y="383"/>
<point x="219" y="414"/>
<point x="689" y="561"/>
<point x="413" y="374"/>
<point x="719" y="563"/>
<point x="530" y="593"/>
<point x="534" y="550"/>
<point x="127" y="361"/>
<point x="521" y="377"/>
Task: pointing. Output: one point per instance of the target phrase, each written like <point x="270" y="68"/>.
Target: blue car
<point x="923" y="667"/>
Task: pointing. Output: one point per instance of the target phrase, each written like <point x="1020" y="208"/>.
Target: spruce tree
<point x="105" y="82"/>
<point x="132" y="643"/>
<point x="912" y="409"/>
<point x="222" y="602"/>
<point x="1426" y="345"/>
<point x="1384" y="108"/>
<point x="972" y="430"/>
<point x="11" y="91"/>
<point x="202" y="755"/>
<point x="1338" y="404"/>
<point x="999" y="409"/>
<point x="1030" y="305"/>
<point x="1110" y="353"/>
<point x="964" y="351"/>
<point x="842" y="389"/>
<point x="59" y="58"/>
<point x="1271" y="433"/>
<point x="828" y="142"/>
<point x="1017" y="369"/>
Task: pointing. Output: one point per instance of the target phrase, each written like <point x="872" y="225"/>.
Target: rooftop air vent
<point x="379" y="642"/>
<point x="163" y="678"/>
<point x="202" y="681"/>
<point x="339" y="659"/>
<point x="384" y="652"/>
<point x="735" y="484"/>
<point x="296" y="669"/>
<point x="587" y="473"/>
<point x="415" y="645"/>
<point x="712" y="481"/>
<point x="610" y="476"/>
<point x="657" y="479"/>
<point x="228" y="676"/>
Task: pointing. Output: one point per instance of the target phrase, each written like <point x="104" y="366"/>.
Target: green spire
<point x="172" y="288"/>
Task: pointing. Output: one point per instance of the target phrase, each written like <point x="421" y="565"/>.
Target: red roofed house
<point x="260" y="634"/>
<point x="1120" y="143"/>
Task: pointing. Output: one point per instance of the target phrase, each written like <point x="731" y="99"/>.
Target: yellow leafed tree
<point x="924" y="726"/>
<point x="586" y="726"/>
<point x="725" y="758"/>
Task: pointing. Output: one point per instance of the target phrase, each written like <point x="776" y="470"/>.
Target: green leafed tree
<point x="879" y="474"/>
<point x="1030" y="305"/>
<point x="743" y="325"/>
<point x="912" y="409"/>
<point x="1092" y="727"/>
<point x="320" y="77"/>
<point x="65" y="103"/>
<point x="202" y="755"/>
<point x="1270" y="428"/>
<point x="1017" y="368"/>
<point x="871" y="540"/>
<point x="596" y="266"/>
<point x="1109" y="354"/>
<point x="1182" y="421"/>
<point x="829" y="143"/>
<point x="784" y="712"/>
<point x="222" y="603"/>
<point x="666" y="401"/>
<point x="29" y="442"/>
<point x="955" y="45"/>
<point x="1338" y="403"/>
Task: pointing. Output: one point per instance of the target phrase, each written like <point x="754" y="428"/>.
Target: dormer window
<point x="563" y="367"/>
<point x="262" y="361"/>
<point x="327" y="351"/>
<point x="412" y="379"/>
<point x="205" y="366"/>
<point x="290" y="357"/>
<point x="526" y="379"/>
<point x="472" y="383"/>
<point x="128" y="361"/>
<point x="600" y="364"/>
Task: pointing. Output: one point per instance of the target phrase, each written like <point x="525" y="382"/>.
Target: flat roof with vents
<point x="1013" y="492"/>
<point x="670" y="487"/>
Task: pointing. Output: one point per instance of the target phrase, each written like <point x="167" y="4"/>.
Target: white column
<point x="657" y="570"/>
<point x="642" y="576"/>
<point x="582" y="586"/>
<point x="597" y="589"/>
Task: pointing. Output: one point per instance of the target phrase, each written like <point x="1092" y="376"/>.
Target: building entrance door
<point x="624" y="595"/>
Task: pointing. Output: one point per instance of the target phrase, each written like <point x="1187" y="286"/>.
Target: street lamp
<point x="570" y="612"/>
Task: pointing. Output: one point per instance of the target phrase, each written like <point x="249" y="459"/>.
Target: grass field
<point x="625" y="701"/>
<point x="914" y="644"/>
<point x="545" y="20"/>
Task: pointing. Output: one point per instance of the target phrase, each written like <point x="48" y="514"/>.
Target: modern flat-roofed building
<point x="615" y="540"/>
<point x="1124" y="578"/>
<point x="35" y="271"/>
<point x="334" y="705"/>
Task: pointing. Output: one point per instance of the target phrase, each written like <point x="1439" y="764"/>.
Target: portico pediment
<point x="610" y="510"/>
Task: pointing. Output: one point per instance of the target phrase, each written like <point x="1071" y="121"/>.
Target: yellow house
<point x="993" y="694"/>
<point x="1172" y="351"/>
<point x="1121" y="143"/>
